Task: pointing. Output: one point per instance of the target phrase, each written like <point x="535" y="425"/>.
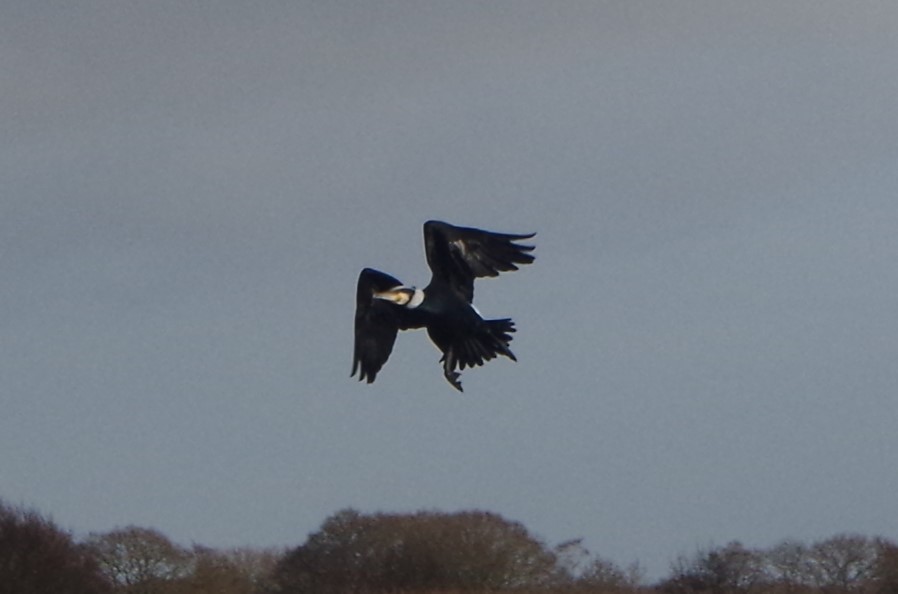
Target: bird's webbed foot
<point x="449" y="372"/>
<point x="452" y="378"/>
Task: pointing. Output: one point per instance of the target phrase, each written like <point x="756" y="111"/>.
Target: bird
<point x="456" y="256"/>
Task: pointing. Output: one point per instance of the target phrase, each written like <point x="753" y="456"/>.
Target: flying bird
<point x="456" y="256"/>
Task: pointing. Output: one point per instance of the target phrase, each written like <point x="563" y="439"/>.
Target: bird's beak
<point x="399" y="295"/>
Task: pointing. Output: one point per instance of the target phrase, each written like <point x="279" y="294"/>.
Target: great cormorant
<point x="456" y="256"/>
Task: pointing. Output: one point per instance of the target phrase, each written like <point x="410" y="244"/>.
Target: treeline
<point x="425" y="552"/>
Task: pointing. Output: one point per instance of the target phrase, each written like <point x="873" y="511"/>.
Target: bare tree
<point x="578" y="568"/>
<point x="723" y="570"/>
<point x="885" y="575"/>
<point x="602" y="574"/>
<point x="843" y="562"/>
<point x="232" y="571"/>
<point x="37" y="557"/>
<point x="139" y="560"/>
<point x="789" y="565"/>
<point x="389" y="552"/>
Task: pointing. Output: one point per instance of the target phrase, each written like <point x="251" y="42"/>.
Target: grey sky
<point x="707" y="341"/>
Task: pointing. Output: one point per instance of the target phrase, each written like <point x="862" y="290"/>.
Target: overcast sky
<point x="707" y="342"/>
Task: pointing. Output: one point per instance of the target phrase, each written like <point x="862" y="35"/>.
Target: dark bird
<point x="456" y="256"/>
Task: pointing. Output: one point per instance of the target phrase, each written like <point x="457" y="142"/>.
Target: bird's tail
<point x="490" y="340"/>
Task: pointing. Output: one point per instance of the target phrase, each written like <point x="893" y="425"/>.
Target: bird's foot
<point x="452" y="378"/>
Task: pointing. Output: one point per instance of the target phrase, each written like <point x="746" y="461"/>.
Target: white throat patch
<point x="416" y="300"/>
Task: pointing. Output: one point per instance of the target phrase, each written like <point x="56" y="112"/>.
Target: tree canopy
<point x="388" y="552"/>
<point x="37" y="557"/>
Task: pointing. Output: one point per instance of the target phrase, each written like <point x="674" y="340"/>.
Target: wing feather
<point x="458" y="255"/>
<point x="376" y="324"/>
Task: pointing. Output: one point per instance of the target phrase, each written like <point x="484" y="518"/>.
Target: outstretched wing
<point x="376" y="324"/>
<point x="458" y="255"/>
